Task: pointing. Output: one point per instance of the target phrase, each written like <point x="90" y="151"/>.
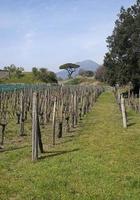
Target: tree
<point x="14" y="71"/>
<point x="18" y="72"/>
<point x="35" y="71"/>
<point x="11" y="69"/>
<point x="52" y="78"/>
<point x="44" y="75"/>
<point x="100" y="73"/>
<point x="87" y="73"/>
<point x="70" y="68"/>
<point x="122" y="62"/>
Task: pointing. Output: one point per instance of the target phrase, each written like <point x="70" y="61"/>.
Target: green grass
<point x="99" y="161"/>
<point x="80" y="80"/>
<point x="26" y="78"/>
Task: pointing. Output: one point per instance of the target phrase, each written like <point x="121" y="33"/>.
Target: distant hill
<point x="85" y="65"/>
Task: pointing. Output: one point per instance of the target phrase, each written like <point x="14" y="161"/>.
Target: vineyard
<point x="76" y="136"/>
<point x="69" y="100"/>
<point x="127" y="101"/>
<point x="41" y="114"/>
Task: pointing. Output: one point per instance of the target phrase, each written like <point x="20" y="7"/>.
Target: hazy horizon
<point x="49" y="33"/>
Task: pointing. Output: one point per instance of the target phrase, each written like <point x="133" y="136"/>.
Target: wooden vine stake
<point x="75" y="109"/>
<point x="60" y="132"/>
<point x="73" y="113"/>
<point x="45" y="108"/>
<point x="54" y="120"/>
<point x="21" y="114"/>
<point x="119" y="99"/>
<point x="123" y="112"/>
<point x="139" y="101"/>
<point x="35" y="140"/>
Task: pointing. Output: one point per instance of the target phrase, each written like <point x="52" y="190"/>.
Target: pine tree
<point x="122" y="62"/>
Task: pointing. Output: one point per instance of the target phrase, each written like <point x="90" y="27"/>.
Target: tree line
<point x="39" y="74"/>
<point x="44" y="75"/>
<point x="71" y="68"/>
<point x="122" y="61"/>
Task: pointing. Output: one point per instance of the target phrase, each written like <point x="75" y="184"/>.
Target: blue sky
<point x="47" y="33"/>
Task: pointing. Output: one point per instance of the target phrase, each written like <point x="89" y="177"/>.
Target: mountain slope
<point x="88" y="65"/>
<point x="85" y="65"/>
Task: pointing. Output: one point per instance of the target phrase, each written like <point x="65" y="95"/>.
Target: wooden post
<point x="73" y="114"/>
<point x="123" y="112"/>
<point x="60" y="131"/>
<point x="45" y="107"/>
<point x="75" y="109"/>
<point x="135" y="103"/>
<point x="3" y="124"/>
<point x="21" y="114"/>
<point x="129" y="96"/>
<point x="3" y="133"/>
<point x="39" y="136"/>
<point x="139" y="100"/>
<point x="35" y="127"/>
<point x="83" y="105"/>
<point x="118" y="97"/>
<point x="67" y="116"/>
<point x="54" y="120"/>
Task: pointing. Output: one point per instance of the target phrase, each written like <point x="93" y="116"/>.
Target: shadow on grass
<point x="71" y="137"/>
<point x="72" y="133"/>
<point x="131" y="124"/>
<point x="63" y="142"/>
<point x="57" y="153"/>
<point x="2" y="150"/>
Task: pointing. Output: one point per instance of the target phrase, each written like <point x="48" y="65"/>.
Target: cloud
<point x="27" y="44"/>
<point x="29" y="35"/>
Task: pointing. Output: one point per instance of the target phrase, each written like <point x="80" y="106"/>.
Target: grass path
<point x="100" y="161"/>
